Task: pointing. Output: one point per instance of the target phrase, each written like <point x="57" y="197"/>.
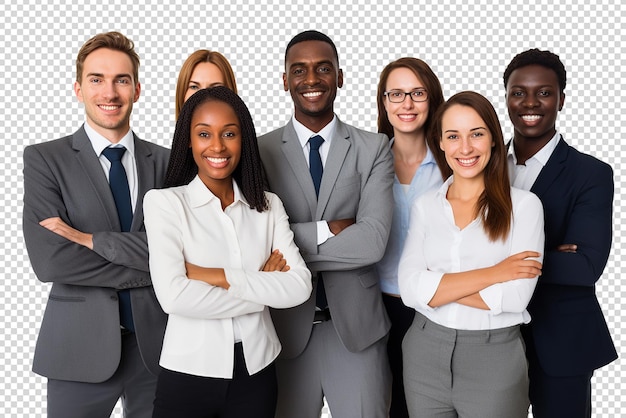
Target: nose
<point x="407" y="102"/>
<point x="312" y="78"/>
<point x="530" y="100"/>
<point x="216" y="144"/>
<point x="466" y="146"/>
<point x="110" y="90"/>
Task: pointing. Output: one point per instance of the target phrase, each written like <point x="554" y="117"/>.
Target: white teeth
<point x="407" y="117"/>
<point x="531" y="118"/>
<point x="217" y="160"/>
<point x="313" y="94"/>
<point x="104" y="107"/>
<point x="467" y="161"/>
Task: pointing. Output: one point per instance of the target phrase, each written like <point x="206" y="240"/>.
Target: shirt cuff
<point x="323" y="232"/>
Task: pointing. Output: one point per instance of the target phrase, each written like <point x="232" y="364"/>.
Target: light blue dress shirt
<point x="425" y="178"/>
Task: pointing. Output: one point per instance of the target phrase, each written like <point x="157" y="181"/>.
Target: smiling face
<point x="534" y="99"/>
<point x="108" y="90"/>
<point x="312" y="77"/>
<point x="466" y="142"/>
<point x="407" y="117"/>
<point x="215" y="143"/>
<point x="204" y="75"/>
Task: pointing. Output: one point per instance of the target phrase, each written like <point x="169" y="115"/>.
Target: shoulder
<point x="525" y="200"/>
<point x="358" y="133"/>
<point x="577" y="160"/>
<point x="50" y="146"/>
<point x="272" y="135"/>
<point x="162" y="196"/>
<point x="158" y="150"/>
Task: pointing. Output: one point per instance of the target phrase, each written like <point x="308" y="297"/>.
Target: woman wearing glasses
<point x="469" y="268"/>
<point x="409" y="93"/>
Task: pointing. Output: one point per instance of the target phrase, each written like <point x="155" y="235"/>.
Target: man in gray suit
<point x="335" y="182"/>
<point x="103" y="328"/>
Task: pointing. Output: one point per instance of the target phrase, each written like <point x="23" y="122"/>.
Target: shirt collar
<point x="543" y="155"/>
<point x="99" y="143"/>
<point x="305" y="133"/>
<point x="200" y="195"/>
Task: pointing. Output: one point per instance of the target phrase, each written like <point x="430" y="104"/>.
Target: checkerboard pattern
<point x="467" y="43"/>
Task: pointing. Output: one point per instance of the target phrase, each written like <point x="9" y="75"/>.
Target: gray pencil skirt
<point x="458" y="373"/>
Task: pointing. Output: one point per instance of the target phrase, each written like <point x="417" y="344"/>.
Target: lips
<point x="109" y="108"/>
<point x="467" y="162"/>
<point x="407" y="117"/>
<point x="531" y="119"/>
<point x="217" y="162"/>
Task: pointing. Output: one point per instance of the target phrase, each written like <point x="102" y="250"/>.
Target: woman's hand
<point x="276" y="262"/>
<point x="517" y="266"/>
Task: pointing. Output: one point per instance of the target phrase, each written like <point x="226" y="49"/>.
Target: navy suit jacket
<point x="568" y="328"/>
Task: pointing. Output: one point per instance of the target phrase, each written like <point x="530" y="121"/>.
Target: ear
<point x="285" y="84"/>
<point x="340" y="78"/>
<point x="561" y="101"/>
<point x="78" y="91"/>
<point x="137" y="91"/>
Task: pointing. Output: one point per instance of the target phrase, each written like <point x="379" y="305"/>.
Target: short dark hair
<point x="311" y="35"/>
<point x="248" y="174"/>
<point x="537" y="57"/>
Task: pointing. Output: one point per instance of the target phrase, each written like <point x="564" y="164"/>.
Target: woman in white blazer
<point x="221" y="252"/>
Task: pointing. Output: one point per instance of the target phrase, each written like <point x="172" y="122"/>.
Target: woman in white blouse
<point x="221" y="252"/>
<point x="469" y="267"/>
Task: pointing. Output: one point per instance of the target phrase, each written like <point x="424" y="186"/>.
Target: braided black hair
<point x="249" y="172"/>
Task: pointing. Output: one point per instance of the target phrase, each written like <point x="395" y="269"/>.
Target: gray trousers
<point x="452" y="373"/>
<point x="132" y="382"/>
<point x="356" y="385"/>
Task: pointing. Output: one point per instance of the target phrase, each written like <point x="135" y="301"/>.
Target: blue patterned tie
<point x="315" y="161"/>
<point x="121" y="194"/>
<point x="316" y="169"/>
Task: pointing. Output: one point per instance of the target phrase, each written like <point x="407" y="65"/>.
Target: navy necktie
<point x="121" y="194"/>
<point x="315" y="161"/>
<point x="316" y="169"/>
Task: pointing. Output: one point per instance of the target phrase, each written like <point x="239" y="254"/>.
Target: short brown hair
<point x="109" y="40"/>
<point x="202" y="55"/>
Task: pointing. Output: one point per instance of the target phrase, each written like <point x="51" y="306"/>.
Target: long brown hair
<point x="202" y="55"/>
<point x="426" y="75"/>
<point x="494" y="204"/>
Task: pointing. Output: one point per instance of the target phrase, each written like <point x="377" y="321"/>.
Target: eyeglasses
<point x="398" y="96"/>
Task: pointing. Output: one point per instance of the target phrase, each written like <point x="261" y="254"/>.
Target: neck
<point x="409" y="148"/>
<point x="314" y="123"/>
<point x="466" y="189"/>
<point x="524" y="148"/>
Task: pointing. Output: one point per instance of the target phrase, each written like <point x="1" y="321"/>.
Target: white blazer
<point x="187" y="223"/>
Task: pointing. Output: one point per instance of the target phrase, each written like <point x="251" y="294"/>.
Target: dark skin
<point x="534" y="98"/>
<point x="312" y="76"/>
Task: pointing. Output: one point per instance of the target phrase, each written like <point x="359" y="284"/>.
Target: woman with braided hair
<point x="214" y="236"/>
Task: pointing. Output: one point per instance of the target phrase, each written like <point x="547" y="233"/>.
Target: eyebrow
<point x="207" y="124"/>
<point x="471" y="130"/>
<point x="318" y="63"/>
<point x="217" y="83"/>
<point x="101" y="75"/>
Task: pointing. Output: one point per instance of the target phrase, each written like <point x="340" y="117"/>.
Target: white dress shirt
<point x="187" y="223"/>
<point x="523" y="176"/>
<point x="304" y="134"/>
<point x="99" y="143"/>
<point x="435" y="246"/>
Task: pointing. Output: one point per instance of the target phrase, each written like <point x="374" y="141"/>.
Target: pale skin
<point x="467" y="146"/>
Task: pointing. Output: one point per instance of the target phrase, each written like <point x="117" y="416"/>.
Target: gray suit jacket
<point x="80" y="336"/>
<point x="356" y="183"/>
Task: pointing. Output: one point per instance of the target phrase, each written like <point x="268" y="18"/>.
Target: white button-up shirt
<point x="187" y="223"/>
<point x="435" y="246"/>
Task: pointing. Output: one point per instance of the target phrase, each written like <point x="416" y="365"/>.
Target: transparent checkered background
<point x="467" y="43"/>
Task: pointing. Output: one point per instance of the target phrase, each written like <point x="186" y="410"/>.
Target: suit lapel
<point x="292" y="149"/>
<point x="552" y="169"/>
<point x="145" y="179"/>
<point x="90" y="164"/>
<point x="339" y="147"/>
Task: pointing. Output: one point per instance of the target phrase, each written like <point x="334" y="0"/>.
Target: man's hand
<point x="59" y="227"/>
<point x="339" y="225"/>
<point x="567" y="248"/>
